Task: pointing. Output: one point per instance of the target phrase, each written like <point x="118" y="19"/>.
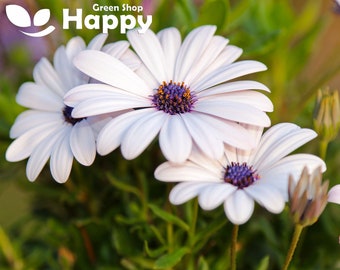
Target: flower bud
<point x="307" y="197"/>
<point x="327" y="114"/>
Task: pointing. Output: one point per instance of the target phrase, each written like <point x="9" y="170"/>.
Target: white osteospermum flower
<point x="183" y="92"/>
<point x="48" y="130"/>
<point x="242" y="177"/>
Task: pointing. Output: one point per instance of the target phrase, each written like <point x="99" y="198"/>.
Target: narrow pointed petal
<point x="82" y="143"/>
<point x="334" y="194"/>
<point x="147" y="129"/>
<point x="174" y="139"/>
<point x="186" y="191"/>
<point x="239" y="207"/>
<point x="214" y="195"/>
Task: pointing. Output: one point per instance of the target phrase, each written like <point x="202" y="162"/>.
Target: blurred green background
<point x="111" y="215"/>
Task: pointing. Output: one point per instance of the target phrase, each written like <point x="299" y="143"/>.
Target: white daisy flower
<point x="48" y="130"/>
<point x="242" y="177"/>
<point x="185" y="91"/>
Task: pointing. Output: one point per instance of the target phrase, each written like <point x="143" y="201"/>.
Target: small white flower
<point x="242" y="177"/>
<point x="183" y="92"/>
<point x="48" y="130"/>
<point x="334" y="194"/>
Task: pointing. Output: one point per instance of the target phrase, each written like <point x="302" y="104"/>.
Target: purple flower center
<point x="240" y="175"/>
<point x="67" y="112"/>
<point x="174" y="98"/>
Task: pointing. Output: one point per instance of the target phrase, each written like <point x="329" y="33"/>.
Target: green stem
<point x="296" y="236"/>
<point x="323" y="148"/>
<point x="191" y="234"/>
<point x="233" y="247"/>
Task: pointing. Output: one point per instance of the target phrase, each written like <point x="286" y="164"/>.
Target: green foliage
<point x="114" y="215"/>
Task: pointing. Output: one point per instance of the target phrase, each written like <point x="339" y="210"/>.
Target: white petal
<point x="141" y="134"/>
<point x="248" y="97"/>
<point x="74" y="46"/>
<point x="186" y="191"/>
<point x="170" y="40"/>
<point x="191" y="50"/>
<point x="267" y="196"/>
<point x="211" y="52"/>
<point x="226" y="57"/>
<point x="82" y="142"/>
<point x="214" y="195"/>
<point x="229" y="72"/>
<point x="234" y="111"/>
<point x="109" y="70"/>
<point x="111" y="135"/>
<point x="334" y="194"/>
<point x="239" y="207"/>
<point x="32" y="119"/>
<point x="149" y="49"/>
<point x="67" y="72"/>
<point x="41" y="154"/>
<point x="44" y="74"/>
<point x="187" y="171"/>
<point x="38" y="97"/>
<point x="174" y="139"/>
<point x="95" y="90"/>
<point x="277" y="175"/>
<point x="279" y="141"/>
<point x="97" y="42"/>
<point x="201" y="133"/>
<point x="116" y="49"/>
<point x="23" y="146"/>
<point x="61" y="159"/>
<point x="106" y="104"/>
<point x="232" y="87"/>
<point x="227" y="131"/>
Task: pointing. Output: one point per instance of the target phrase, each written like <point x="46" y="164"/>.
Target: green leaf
<point x="264" y="263"/>
<point x="154" y="253"/>
<point x="168" y="217"/>
<point x="170" y="260"/>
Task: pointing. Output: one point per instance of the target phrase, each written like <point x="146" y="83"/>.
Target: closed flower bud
<point x="327" y="114"/>
<point x="307" y="197"/>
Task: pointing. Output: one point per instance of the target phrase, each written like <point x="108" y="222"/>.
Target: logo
<point x="19" y="16"/>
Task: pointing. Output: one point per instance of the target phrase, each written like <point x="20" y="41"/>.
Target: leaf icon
<point x="41" y="17"/>
<point x="18" y="15"/>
